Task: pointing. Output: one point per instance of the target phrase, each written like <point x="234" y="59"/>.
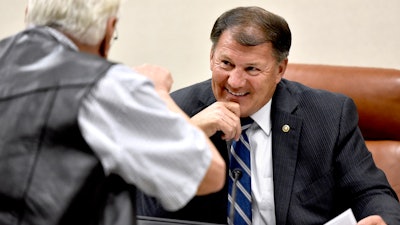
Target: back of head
<point x="84" y="20"/>
<point x="253" y="26"/>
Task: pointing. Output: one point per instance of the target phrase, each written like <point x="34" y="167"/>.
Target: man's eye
<point x="252" y="70"/>
<point x="225" y="62"/>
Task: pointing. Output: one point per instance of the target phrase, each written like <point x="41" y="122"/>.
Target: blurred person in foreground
<point x="79" y="133"/>
<point x="308" y="159"/>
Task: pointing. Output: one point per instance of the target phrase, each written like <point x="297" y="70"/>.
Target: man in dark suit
<point x="309" y="161"/>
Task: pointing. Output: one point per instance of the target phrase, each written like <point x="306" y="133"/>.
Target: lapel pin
<point x="285" y="128"/>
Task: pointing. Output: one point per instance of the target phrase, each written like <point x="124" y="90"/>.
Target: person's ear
<point x="211" y="59"/>
<point x="26" y="14"/>
<point x="108" y="36"/>
<point x="281" y="69"/>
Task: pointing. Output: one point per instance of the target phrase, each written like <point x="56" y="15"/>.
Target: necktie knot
<point x="246" y="123"/>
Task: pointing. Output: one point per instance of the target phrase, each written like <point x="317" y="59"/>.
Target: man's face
<point x="247" y="75"/>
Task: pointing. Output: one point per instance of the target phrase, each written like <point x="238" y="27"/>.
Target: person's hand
<point x="372" y="220"/>
<point x="160" y="76"/>
<point x="220" y="116"/>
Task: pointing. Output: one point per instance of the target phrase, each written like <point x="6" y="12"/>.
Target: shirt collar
<point x="263" y="117"/>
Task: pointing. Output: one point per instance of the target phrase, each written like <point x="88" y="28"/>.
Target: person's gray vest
<point x="48" y="173"/>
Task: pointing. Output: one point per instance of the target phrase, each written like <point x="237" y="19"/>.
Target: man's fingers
<point x="220" y="116"/>
<point x="231" y="121"/>
<point x="233" y="107"/>
<point x="231" y="128"/>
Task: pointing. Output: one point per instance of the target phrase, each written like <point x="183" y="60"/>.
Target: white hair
<point x="84" y="20"/>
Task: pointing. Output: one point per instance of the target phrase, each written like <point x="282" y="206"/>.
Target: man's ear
<point x="108" y="36"/>
<point x="282" y="66"/>
<point x="26" y="14"/>
<point x="281" y="69"/>
<point x="211" y="59"/>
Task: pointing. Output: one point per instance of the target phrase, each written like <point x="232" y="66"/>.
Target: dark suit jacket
<point x="321" y="167"/>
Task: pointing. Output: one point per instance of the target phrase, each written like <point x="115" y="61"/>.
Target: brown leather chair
<point x="376" y="92"/>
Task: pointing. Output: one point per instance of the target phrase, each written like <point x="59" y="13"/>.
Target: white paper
<point x="345" y="218"/>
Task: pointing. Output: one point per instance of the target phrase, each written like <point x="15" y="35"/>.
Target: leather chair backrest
<point x="376" y="93"/>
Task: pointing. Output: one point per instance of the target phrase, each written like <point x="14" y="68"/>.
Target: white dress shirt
<point x="260" y="138"/>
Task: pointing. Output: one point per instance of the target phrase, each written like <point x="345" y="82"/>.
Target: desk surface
<point x="144" y="220"/>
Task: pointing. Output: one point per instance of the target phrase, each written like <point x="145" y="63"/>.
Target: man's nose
<point x="237" y="78"/>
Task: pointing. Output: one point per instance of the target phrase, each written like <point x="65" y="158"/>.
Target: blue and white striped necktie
<point x="241" y="185"/>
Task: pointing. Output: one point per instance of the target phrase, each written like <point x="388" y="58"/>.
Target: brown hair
<point x="253" y="26"/>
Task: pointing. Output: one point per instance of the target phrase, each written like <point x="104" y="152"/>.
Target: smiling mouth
<point x="237" y="94"/>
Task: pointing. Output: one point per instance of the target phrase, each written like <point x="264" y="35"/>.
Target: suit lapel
<point x="206" y="98"/>
<point x="286" y="129"/>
